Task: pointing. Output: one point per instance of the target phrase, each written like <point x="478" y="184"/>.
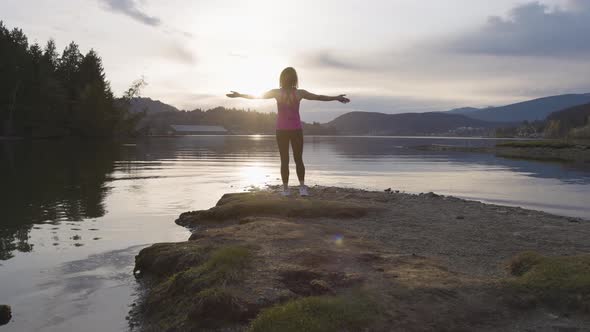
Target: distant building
<point x="196" y="130"/>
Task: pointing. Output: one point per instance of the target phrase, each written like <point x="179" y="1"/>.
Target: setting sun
<point x="253" y="74"/>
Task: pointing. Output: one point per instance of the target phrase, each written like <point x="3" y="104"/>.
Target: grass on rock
<point x="318" y="314"/>
<point x="265" y="204"/>
<point x="553" y="280"/>
<point x="204" y="293"/>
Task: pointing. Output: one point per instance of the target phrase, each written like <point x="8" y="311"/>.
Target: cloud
<point x="131" y="9"/>
<point x="531" y="29"/>
<point x="178" y="53"/>
<point x="327" y="59"/>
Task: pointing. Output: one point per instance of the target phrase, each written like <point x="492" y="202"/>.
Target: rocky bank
<point x="353" y="260"/>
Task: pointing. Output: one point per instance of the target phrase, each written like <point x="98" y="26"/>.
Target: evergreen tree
<point x="67" y="73"/>
<point x="43" y="94"/>
<point x="96" y="114"/>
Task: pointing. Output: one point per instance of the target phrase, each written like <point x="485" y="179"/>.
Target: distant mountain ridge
<point x="466" y="121"/>
<point x="464" y="110"/>
<point x="372" y="123"/>
<point x="531" y="110"/>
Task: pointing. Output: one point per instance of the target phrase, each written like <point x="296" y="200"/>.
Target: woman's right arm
<point x="311" y="96"/>
<point x="267" y="95"/>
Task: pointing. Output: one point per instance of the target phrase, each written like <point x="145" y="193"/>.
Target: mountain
<point x="464" y="110"/>
<point x="370" y="123"/>
<point x="536" y="109"/>
<point x="150" y="106"/>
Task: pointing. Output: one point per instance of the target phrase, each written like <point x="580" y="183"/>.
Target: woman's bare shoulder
<point x="302" y="93"/>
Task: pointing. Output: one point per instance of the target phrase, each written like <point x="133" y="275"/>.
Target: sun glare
<point x="254" y="175"/>
<point x="256" y="74"/>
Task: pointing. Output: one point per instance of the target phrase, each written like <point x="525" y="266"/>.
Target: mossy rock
<point x="319" y="314"/>
<point x="224" y="266"/>
<point x="264" y="204"/>
<point x="555" y="281"/>
<point x="190" y="295"/>
<point x="5" y="314"/>
<point x="217" y="306"/>
<point x="164" y="259"/>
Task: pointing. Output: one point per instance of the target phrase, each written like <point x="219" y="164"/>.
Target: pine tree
<point x="45" y="94"/>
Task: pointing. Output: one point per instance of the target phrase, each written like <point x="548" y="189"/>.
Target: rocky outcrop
<point x="266" y="204"/>
<point x="348" y="260"/>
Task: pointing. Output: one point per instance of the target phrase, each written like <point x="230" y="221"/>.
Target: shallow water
<point x="75" y="214"/>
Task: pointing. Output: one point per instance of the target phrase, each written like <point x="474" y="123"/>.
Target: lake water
<point x="73" y="215"/>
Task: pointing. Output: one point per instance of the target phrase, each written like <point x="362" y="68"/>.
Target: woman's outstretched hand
<point x="343" y="99"/>
<point x="234" y="94"/>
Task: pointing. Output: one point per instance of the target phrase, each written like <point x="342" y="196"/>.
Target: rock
<point x="387" y="190"/>
<point x="247" y="220"/>
<point x="460" y="217"/>
<point x="320" y="286"/>
<point x="266" y="204"/>
<point x="5" y="314"/>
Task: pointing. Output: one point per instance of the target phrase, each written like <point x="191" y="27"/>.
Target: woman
<point x="289" y="128"/>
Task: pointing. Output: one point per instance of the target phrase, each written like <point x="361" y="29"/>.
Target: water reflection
<point x="50" y="182"/>
<point x="60" y="183"/>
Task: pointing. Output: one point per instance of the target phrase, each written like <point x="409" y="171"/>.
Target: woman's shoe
<point x="303" y="191"/>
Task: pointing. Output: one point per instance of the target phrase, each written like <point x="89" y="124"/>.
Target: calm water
<point x="74" y="215"/>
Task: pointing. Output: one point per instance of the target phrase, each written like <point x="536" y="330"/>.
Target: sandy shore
<point x="386" y="260"/>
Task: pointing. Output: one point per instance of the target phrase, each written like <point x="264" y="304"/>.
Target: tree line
<point x="570" y="123"/>
<point x="47" y="94"/>
<point x="236" y="121"/>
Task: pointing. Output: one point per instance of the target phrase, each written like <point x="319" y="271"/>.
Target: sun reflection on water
<point x="255" y="175"/>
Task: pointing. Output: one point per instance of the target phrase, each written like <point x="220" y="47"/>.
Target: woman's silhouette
<point x="289" y="128"/>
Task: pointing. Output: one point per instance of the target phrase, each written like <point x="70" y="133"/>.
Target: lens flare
<point x="338" y="239"/>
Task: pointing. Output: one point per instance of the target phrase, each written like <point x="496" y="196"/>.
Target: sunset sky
<point x="389" y="56"/>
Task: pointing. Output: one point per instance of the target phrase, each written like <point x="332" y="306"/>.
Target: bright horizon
<point x="392" y="56"/>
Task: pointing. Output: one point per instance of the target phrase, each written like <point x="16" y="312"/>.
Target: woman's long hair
<point x="289" y="78"/>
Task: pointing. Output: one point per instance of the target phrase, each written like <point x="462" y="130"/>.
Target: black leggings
<point x="296" y="139"/>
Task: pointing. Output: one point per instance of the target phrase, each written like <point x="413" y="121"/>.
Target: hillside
<point x="577" y="115"/>
<point x="531" y="110"/>
<point x="573" y="121"/>
<point x="366" y="123"/>
<point x="150" y="106"/>
<point x="234" y="120"/>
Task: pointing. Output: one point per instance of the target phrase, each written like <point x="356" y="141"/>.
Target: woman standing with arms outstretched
<point x="289" y="129"/>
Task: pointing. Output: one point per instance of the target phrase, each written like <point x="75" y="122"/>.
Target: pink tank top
<point x="288" y="110"/>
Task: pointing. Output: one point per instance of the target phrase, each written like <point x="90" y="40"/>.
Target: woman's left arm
<point x="312" y="96"/>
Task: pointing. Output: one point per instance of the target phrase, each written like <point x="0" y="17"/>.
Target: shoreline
<point x="573" y="153"/>
<point x="255" y="255"/>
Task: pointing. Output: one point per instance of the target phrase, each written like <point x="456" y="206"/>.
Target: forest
<point x="236" y="121"/>
<point x="47" y="94"/>
<point x="569" y="123"/>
